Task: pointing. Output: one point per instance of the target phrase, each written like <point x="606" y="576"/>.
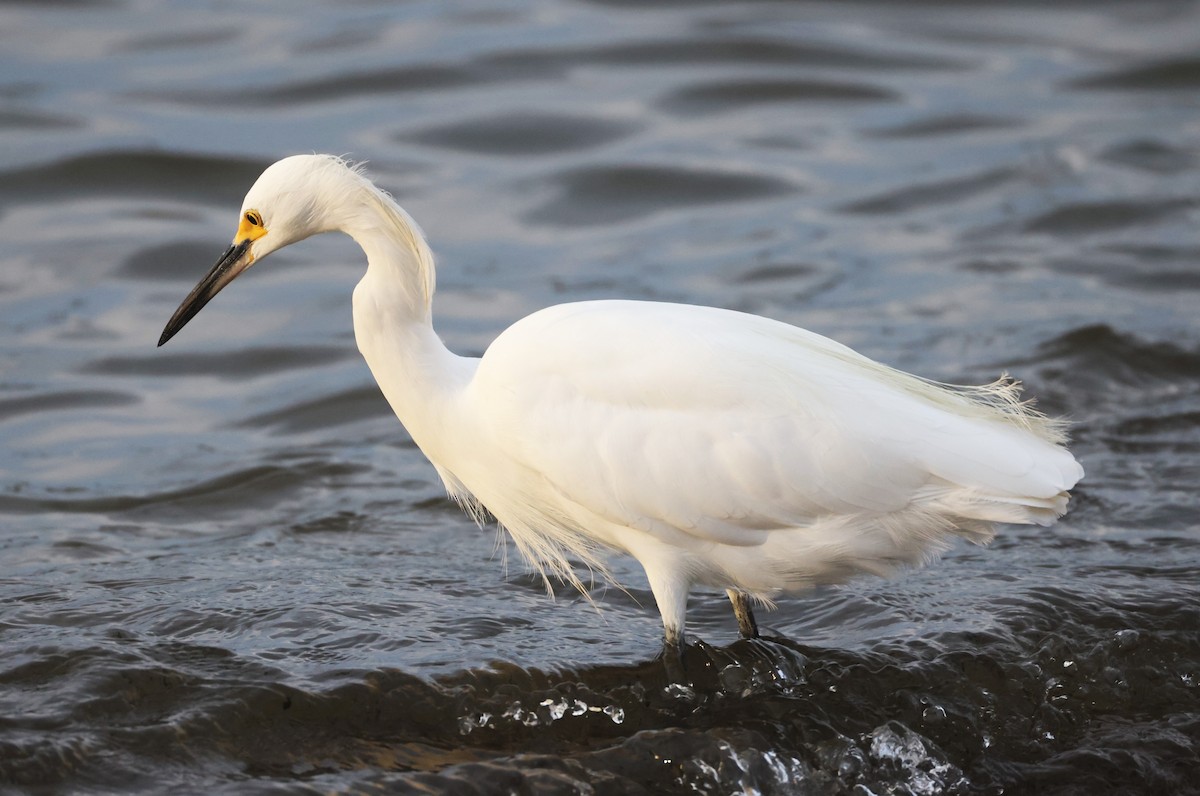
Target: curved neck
<point x="398" y="257"/>
<point x="393" y="323"/>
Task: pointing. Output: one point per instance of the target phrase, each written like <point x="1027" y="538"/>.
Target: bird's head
<point x="292" y="200"/>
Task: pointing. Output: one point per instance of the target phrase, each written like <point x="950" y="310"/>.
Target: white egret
<point x="715" y="447"/>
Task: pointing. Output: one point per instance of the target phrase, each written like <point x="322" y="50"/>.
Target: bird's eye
<point x="254" y="218"/>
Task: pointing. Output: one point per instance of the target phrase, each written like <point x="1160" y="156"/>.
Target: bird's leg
<point x="744" y="612"/>
<point x="671" y="592"/>
<point x="672" y="656"/>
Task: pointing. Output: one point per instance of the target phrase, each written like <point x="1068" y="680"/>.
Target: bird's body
<point x="713" y="446"/>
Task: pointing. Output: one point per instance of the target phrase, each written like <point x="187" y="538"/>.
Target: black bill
<point x="232" y="263"/>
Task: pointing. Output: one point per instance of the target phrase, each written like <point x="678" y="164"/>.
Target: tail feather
<point x="972" y="509"/>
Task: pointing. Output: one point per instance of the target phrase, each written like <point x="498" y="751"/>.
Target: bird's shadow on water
<point x="624" y="721"/>
<point x="840" y="715"/>
<point x="615" y="700"/>
<point x="396" y="720"/>
<point x="954" y="711"/>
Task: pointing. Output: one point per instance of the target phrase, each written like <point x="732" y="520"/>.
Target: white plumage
<point x="715" y="447"/>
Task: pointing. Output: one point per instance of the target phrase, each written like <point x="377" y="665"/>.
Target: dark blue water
<point x="224" y="567"/>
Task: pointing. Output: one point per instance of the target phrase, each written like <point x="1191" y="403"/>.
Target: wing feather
<point x="728" y="426"/>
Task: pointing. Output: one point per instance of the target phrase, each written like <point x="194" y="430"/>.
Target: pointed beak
<point x="235" y="260"/>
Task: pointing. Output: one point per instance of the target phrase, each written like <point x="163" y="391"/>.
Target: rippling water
<point x="225" y="567"/>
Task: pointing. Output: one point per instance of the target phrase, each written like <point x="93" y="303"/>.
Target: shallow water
<point x="225" y="567"/>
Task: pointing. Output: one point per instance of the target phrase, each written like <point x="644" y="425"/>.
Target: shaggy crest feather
<point x="394" y="218"/>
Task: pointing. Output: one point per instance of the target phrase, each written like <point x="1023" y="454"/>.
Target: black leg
<point x="744" y="612"/>
<point x="672" y="656"/>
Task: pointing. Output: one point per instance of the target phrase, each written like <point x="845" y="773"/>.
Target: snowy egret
<point x="715" y="447"/>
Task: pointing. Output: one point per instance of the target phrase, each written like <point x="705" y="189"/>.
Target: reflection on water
<point x="226" y="567"/>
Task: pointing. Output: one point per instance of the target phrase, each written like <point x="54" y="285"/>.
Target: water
<point x="225" y="568"/>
